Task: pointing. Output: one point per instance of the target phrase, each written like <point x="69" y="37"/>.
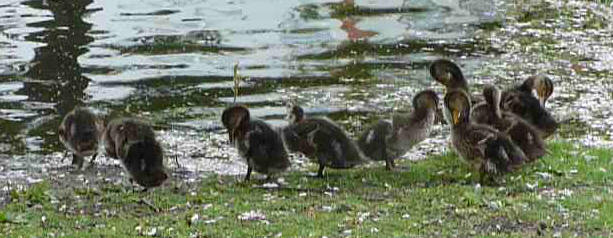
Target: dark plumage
<point x="320" y="139"/>
<point x="522" y="102"/>
<point x="448" y="74"/>
<point x="388" y="140"/>
<point x="521" y="132"/>
<point x="486" y="149"/>
<point x="517" y="100"/>
<point x="133" y="142"/>
<point x="256" y="141"/>
<point x="80" y="132"/>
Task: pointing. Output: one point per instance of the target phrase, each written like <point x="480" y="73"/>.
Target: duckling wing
<point x="299" y="137"/>
<point x="499" y="152"/>
<point x="525" y="136"/>
<point x="482" y="114"/>
<point x="373" y="140"/>
<point x="527" y="107"/>
<point x="266" y="148"/>
<point x="333" y="143"/>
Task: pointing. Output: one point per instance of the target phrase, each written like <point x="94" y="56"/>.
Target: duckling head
<point x="236" y="120"/>
<point x="492" y="96"/>
<point x="448" y="74"/>
<point x="295" y="113"/>
<point x="457" y="107"/>
<point x="426" y="99"/>
<point x="542" y="85"/>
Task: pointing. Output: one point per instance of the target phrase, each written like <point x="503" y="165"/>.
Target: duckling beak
<point x="456" y="116"/>
<point x="542" y="101"/>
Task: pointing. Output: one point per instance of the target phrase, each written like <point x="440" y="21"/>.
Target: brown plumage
<point x="518" y="100"/>
<point x="521" y="132"/>
<point x="388" y="140"/>
<point x="256" y="141"/>
<point x="133" y="142"/>
<point x="80" y="132"/>
<point x="486" y="149"/>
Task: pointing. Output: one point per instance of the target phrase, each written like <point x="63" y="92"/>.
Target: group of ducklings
<point x="129" y="140"/>
<point x="503" y="130"/>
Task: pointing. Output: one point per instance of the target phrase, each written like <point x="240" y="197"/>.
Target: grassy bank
<point x="567" y="193"/>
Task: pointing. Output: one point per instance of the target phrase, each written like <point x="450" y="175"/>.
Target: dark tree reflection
<point x="55" y="83"/>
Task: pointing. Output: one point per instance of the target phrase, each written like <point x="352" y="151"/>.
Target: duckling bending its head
<point x="80" y="132"/>
<point x="448" y="74"/>
<point x="256" y="141"/>
<point x="386" y="141"/>
<point x="133" y="142"/>
<point x="541" y="84"/>
<point x="320" y="139"/>
<point x="520" y="131"/>
<point x="486" y="149"/>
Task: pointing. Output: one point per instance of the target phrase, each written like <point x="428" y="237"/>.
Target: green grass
<point x="567" y="193"/>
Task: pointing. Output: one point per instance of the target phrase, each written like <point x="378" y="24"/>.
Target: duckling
<point x="256" y="141"/>
<point x="516" y="100"/>
<point x="521" y="132"/>
<point x="80" y="132"/>
<point x="134" y="143"/>
<point x="321" y="139"/>
<point x="486" y="149"/>
<point x="539" y="83"/>
<point x="525" y="105"/>
<point x="388" y="140"/>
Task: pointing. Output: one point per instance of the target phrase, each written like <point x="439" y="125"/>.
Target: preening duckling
<point x="448" y="74"/>
<point x="539" y="83"/>
<point x="133" y="142"/>
<point x="486" y="149"/>
<point x="320" y="139"/>
<point x="388" y="140"/>
<point x="80" y="132"/>
<point x="523" y="103"/>
<point x="521" y="132"/>
<point x="256" y="142"/>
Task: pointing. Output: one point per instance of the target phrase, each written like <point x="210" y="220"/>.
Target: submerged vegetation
<point x="568" y="193"/>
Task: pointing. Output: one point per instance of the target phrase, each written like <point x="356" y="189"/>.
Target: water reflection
<point x="54" y="83"/>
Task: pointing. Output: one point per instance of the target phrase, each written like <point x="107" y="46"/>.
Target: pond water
<point x="171" y="62"/>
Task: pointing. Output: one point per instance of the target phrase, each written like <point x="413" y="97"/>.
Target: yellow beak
<point x="456" y="116"/>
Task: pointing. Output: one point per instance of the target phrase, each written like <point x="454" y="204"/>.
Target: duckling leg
<point x="93" y="157"/>
<point x="77" y="161"/>
<point x="248" y="176"/>
<point x="389" y="164"/>
<point x="91" y="162"/>
<point x="320" y="172"/>
<point x="65" y="155"/>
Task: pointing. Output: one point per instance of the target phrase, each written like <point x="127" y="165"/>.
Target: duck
<point x="489" y="151"/>
<point x="257" y="142"/>
<point x="80" y="132"/>
<point x="133" y="142"/>
<point x="386" y="140"/>
<point x="522" y="133"/>
<point x="518" y="100"/>
<point x="321" y="140"/>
